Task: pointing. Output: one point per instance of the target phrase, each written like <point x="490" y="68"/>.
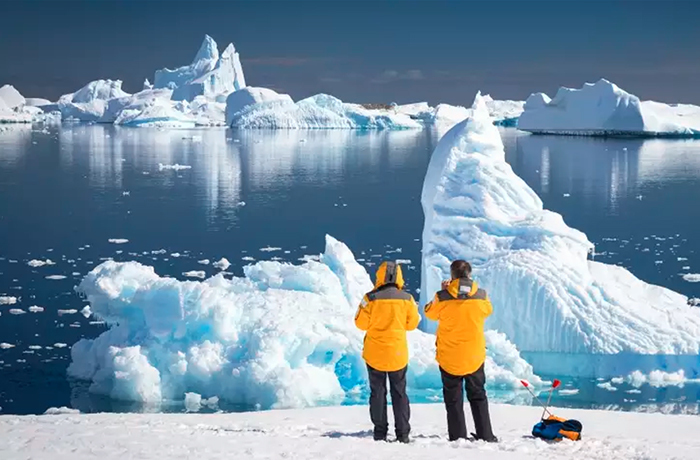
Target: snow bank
<point x="602" y="109"/>
<point x="547" y="296"/>
<point x="340" y="433"/>
<point x="281" y="336"/>
<point x="209" y="75"/>
<point x="261" y="108"/>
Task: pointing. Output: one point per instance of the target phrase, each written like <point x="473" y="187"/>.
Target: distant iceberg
<point x="503" y="113"/>
<point x="281" y="336"/>
<point x="209" y="75"/>
<point x="603" y="109"/>
<point x="90" y="101"/>
<point x="262" y="108"/>
<point x="567" y="314"/>
<point x="14" y="108"/>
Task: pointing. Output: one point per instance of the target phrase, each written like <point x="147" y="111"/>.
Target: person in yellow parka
<point x="461" y="309"/>
<point x="386" y="313"/>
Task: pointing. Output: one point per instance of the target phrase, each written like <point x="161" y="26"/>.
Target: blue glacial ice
<point x="281" y="336"/>
<point x="604" y="109"/>
<point x="599" y="320"/>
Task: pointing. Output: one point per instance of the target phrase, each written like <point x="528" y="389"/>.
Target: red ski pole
<point x="555" y="384"/>
<point x="527" y="385"/>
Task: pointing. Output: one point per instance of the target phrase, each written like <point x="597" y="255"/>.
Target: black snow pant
<point x="399" y="402"/>
<point x="453" y="393"/>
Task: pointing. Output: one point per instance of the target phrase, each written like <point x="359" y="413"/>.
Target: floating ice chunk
<point x="403" y="261"/>
<point x="204" y="262"/>
<point x="61" y="411"/>
<point x="534" y="267"/>
<point x="59" y="345"/>
<point x="248" y="259"/>
<point x="606" y="386"/>
<point x="658" y="379"/>
<point x="195" y="274"/>
<point x="8" y="300"/>
<point x="40" y="263"/>
<point x="617" y="381"/>
<point x="118" y="240"/>
<point x="17" y="311"/>
<point x="692" y="277"/>
<point x="34" y="347"/>
<point x="175" y="254"/>
<point x="270" y="249"/>
<point x="174" y="167"/>
<point x="36" y="309"/>
<point x="222" y="264"/>
<point x="305" y="258"/>
<point x="193" y="402"/>
<point x="567" y="392"/>
<point x="56" y="277"/>
<point x="682" y="259"/>
<point x="86" y="311"/>
<point x="6" y="346"/>
<point x="67" y="312"/>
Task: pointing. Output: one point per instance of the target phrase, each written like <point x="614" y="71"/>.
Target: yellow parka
<point x="386" y="313"/>
<point x="460" y="311"/>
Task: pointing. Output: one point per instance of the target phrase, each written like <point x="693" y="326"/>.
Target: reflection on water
<point x="72" y="188"/>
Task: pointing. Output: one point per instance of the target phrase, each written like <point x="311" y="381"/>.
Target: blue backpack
<point x="556" y="429"/>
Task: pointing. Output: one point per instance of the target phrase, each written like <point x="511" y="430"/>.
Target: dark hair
<point x="460" y="269"/>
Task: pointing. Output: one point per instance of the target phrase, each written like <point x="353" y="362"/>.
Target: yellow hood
<point x="453" y="288"/>
<point x="381" y="278"/>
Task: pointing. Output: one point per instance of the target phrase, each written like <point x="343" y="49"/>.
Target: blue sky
<point x="378" y="51"/>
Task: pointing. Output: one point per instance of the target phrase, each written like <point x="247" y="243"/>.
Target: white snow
<point x="8" y="300"/>
<point x="603" y="108"/>
<point x="548" y="298"/>
<point x="261" y="108"/>
<point x="339" y="433"/>
<point x="174" y="167"/>
<point x="40" y="263"/>
<point x="209" y="75"/>
<point x="281" y="336"/>
<point x="222" y="264"/>
<point x="36" y="309"/>
<point x="195" y="274"/>
<point x="692" y="277"/>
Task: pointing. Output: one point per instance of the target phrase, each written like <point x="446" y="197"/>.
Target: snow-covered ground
<point x="603" y="108"/>
<point x="339" y="433"/>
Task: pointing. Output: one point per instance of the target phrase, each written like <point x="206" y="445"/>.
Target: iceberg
<point x="11" y="97"/>
<point x="504" y="113"/>
<point x="209" y="75"/>
<point x="604" y="109"/>
<point x="281" y="336"/>
<point x="568" y="315"/>
<point x="262" y="108"/>
<point x="89" y="102"/>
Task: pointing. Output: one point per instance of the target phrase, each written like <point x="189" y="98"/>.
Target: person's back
<point x="386" y="313"/>
<point x="461" y="309"/>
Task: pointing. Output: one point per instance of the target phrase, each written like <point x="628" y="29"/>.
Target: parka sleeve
<point x="432" y="310"/>
<point x="363" y="315"/>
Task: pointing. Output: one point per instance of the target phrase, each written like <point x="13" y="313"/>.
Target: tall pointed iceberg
<point x="548" y="297"/>
<point x="210" y="74"/>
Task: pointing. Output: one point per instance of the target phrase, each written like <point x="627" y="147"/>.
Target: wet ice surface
<point x="172" y="223"/>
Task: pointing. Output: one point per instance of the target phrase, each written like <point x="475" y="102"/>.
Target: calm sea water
<point x="65" y="192"/>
